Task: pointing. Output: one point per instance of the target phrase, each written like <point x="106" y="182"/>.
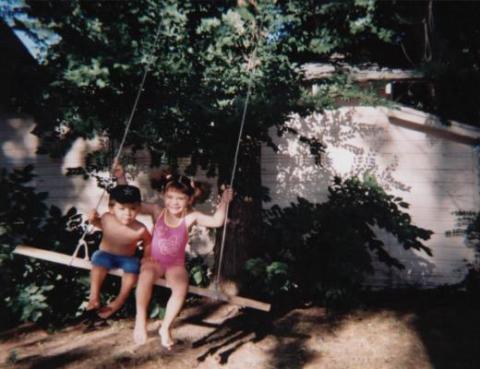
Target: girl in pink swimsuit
<point x="167" y="254"/>
<point x="168" y="247"/>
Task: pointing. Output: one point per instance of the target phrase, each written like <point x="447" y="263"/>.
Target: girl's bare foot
<point x="140" y="332"/>
<point x="165" y="338"/>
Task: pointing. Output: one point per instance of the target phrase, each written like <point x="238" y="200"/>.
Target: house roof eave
<point x="317" y="71"/>
<point x="421" y="121"/>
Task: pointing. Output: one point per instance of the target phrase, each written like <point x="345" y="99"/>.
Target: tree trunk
<point x="245" y="214"/>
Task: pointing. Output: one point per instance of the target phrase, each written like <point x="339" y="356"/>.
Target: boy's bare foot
<point x="92" y="305"/>
<point x="140" y="332"/>
<point x="165" y="338"/>
<point x="107" y="311"/>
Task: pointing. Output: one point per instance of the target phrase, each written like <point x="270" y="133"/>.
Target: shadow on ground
<point x="400" y="330"/>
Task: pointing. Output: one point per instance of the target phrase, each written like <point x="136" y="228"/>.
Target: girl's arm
<point x="150" y="209"/>
<point x="218" y="218"/>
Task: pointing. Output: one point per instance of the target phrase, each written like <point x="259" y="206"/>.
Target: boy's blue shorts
<point x="129" y="264"/>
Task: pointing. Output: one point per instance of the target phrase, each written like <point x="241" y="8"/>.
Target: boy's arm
<point x="94" y="219"/>
<point x="218" y="218"/>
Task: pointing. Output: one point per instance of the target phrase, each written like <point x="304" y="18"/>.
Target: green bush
<point x="269" y="278"/>
<point x="468" y="226"/>
<point x="324" y="251"/>
<point x="34" y="290"/>
<point x="198" y="271"/>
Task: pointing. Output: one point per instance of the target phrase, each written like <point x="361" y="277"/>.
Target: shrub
<point x="198" y="271"/>
<point x="468" y="226"/>
<point x="34" y="290"/>
<point x="324" y="251"/>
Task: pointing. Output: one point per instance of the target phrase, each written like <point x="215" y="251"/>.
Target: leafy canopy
<point x="199" y="68"/>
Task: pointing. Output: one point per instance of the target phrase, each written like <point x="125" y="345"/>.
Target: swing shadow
<point x="250" y="326"/>
<point x="230" y="335"/>
<point x="200" y="315"/>
<point x="294" y="339"/>
<point x="279" y="338"/>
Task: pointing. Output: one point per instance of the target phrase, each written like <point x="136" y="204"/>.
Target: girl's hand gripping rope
<point x="227" y="196"/>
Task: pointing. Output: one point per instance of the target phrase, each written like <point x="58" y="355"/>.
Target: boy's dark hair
<point x="125" y="194"/>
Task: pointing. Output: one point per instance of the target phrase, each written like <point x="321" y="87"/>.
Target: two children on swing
<point x="164" y="256"/>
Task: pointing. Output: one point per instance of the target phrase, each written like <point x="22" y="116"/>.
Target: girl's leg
<point x="97" y="276"/>
<point x="148" y="274"/>
<point x="128" y="281"/>
<point x="177" y="279"/>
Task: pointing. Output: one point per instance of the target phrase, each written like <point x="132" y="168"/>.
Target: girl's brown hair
<point x="166" y="180"/>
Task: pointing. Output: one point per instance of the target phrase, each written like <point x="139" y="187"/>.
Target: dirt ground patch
<point x="223" y="336"/>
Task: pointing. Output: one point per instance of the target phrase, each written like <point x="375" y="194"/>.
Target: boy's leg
<point x="177" y="279"/>
<point x="128" y="282"/>
<point x="97" y="276"/>
<point x="149" y="272"/>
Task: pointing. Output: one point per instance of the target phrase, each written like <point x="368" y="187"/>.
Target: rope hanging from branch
<point x="251" y="67"/>
<point x="150" y="58"/>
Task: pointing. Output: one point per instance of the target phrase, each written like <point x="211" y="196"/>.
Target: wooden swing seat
<point x="60" y="258"/>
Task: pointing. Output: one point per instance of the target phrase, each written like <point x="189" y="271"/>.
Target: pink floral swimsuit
<point x="169" y="243"/>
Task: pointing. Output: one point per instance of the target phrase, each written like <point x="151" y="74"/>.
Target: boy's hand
<point x="117" y="171"/>
<point x="93" y="217"/>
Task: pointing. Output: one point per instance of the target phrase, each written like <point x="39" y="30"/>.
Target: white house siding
<point x="18" y="149"/>
<point x="436" y="176"/>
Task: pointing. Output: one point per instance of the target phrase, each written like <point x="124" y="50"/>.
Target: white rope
<point x="234" y="169"/>
<point x="82" y="242"/>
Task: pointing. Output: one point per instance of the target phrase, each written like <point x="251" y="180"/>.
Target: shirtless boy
<point x="121" y="234"/>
